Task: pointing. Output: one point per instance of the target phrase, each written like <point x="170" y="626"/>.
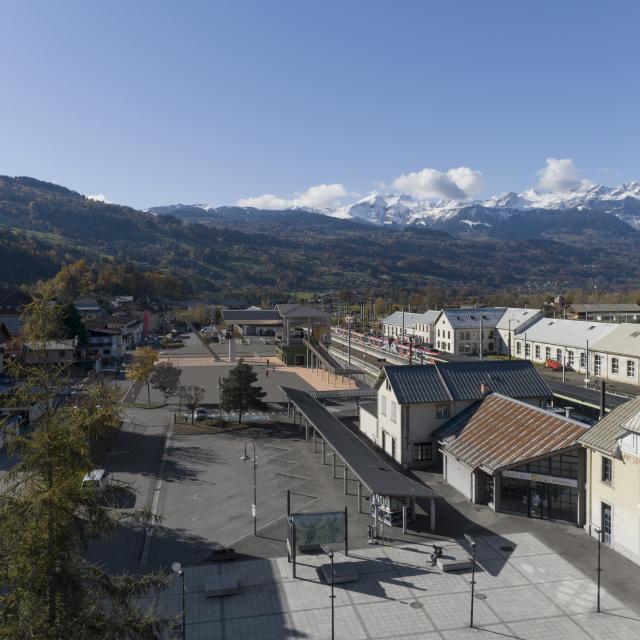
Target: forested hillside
<point x="45" y="226"/>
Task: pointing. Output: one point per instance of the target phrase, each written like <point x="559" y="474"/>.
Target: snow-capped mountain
<point x="399" y="209"/>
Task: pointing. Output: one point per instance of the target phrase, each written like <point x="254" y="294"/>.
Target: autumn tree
<point x="166" y="378"/>
<point x="191" y="395"/>
<point x="141" y="366"/>
<point x="49" y="589"/>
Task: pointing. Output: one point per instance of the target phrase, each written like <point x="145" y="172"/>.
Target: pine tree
<point x="49" y="589"/>
<point x="237" y="391"/>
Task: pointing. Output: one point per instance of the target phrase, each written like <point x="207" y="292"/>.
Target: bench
<point x="343" y="572"/>
<point x="447" y="563"/>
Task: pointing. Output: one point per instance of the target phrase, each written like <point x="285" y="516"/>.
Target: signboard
<point x="538" y="477"/>
<point x="315" y="529"/>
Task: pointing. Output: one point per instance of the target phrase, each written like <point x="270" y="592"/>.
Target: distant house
<point x="468" y="330"/>
<point x="149" y="312"/>
<point x="51" y="351"/>
<point x="300" y="321"/>
<point x="613" y="479"/>
<point x="516" y="458"/>
<point x="605" y="312"/>
<point x="105" y="343"/>
<point x="12" y="304"/>
<point x="412" y="402"/>
<point x="89" y="307"/>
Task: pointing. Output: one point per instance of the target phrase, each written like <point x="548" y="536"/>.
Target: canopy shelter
<point x="386" y="484"/>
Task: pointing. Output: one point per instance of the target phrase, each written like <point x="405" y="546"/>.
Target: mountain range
<point x="228" y="251"/>
<point x="510" y="215"/>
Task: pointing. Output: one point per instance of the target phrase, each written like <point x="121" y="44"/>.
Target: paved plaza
<point x="524" y="590"/>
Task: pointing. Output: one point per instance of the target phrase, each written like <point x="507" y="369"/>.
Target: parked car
<point x="199" y="414"/>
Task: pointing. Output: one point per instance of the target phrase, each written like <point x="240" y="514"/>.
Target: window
<point x="490" y="335"/>
<point x="597" y="365"/>
<point x="607" y="470"/>
<point x="583" y="360"/>
<point x="570" y="358"/>
<point x="448" y="335"/>
<point x="537" y="352"/>
<point x="490" y="346"/>
<point x="393" y="411"/>
<point x="518" y="347"/>
<point x="547" y="353"/>
<point x="423" y="451"/>
<point x="558" y="355"/>
<point x="442" y="411"/>
<point x="615" y="366"/>
<point x="527" y="351"/>
<point x="383" y="406"/>
<point x="631" y="369"/>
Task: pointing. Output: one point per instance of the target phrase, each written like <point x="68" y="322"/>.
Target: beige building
<point x="412" y="402"/>
<point x="613" y="479"/>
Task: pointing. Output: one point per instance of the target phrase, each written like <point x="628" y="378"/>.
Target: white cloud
<point x="456" y="184"/>
<point x="321" y="196"/>
<point x="560" y="174"/>
<point x="99" y="197"/>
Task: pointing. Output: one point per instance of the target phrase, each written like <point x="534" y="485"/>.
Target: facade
<point x="570" y="342"/>
<point x="89" y="307"/>
<point x="301" y="321"/>
<point x="104" y="343"/>
<point x="403" y="323"/>
<point x="52" y="351"/>
<point x="607" y="312"/>
<point x="613" y="479"/>
<point x="618" y="354"/>
<point x="514" y="321"/>
<point x="254" y="321"/>
<point x="516" y="458"/>
<point x="468" y="331"/>
<point x="412" y="402"/>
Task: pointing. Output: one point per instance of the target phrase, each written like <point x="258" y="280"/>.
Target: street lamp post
<point x="329" y="552"/>
<point x="254" y="508"/>
<point x="177" y="568"/>
<point x="509" y="331"/>
<point x="598" y="570"/>
<point x="473" y="573"/>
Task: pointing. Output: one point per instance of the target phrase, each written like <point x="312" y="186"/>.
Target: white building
<point x="569" y="341"/>
<point x="618" y="354"/>
<point x="613" y="479"/>
<point x="468" y="330"/>
<point x="404" y="323"/>
<point x="412" y="402"/>
<point x="514" y="320"/>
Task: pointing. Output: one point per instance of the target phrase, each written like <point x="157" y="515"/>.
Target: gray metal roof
<point x="302" y="311"/>
<point x="502" y="432"/>
<point x="603" y="435"/>
<point x="471" y="318"/>
<point x="625" y="307"/>
<point x="375" y="473"/>
<point x="452" y="381"/>
<point x="249" y="316"/>
<point x="624" y="340"/>
<point x="344" y="394"/>
<point x="429" y="317"/>
<point x="515" y="318"/>
<point x="567" y="333"/>
<point x="370" y="407"/>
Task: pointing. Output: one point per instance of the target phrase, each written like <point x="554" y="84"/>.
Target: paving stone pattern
<point x="527" y="593"/>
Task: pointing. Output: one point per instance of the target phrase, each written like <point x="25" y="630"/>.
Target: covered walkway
<point x="386" y="485"/>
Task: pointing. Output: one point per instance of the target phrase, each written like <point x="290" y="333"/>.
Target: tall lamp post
<point x="473" y="573"/>
<point x="254" y="508"/>
<point x="177" y="568"/>
<point x="598" y="570"/>
<point x="329" y="552"/>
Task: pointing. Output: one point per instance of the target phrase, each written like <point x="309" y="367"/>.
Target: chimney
<point x="485" y="389"/>
<point x="567" y="412"/>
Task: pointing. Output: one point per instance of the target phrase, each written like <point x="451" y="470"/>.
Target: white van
<point x="95" y="478"/>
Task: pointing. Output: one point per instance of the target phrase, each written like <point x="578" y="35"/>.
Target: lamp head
<point x="176" y="567"/>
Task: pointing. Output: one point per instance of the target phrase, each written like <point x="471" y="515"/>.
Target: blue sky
<point x="161" y="102"/>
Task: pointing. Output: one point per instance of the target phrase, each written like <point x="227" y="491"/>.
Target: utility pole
<point x="480" y="347"/>
<point x="510" y="338"/>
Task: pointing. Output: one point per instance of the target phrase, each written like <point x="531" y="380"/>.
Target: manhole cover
<point x="416" y="605"/>
<point x="506" y="549"/>
<point x="481" y="596"/>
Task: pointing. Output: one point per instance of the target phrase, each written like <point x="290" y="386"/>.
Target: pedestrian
<point x="267" y="373"/>
<point x="267" y="363"/>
